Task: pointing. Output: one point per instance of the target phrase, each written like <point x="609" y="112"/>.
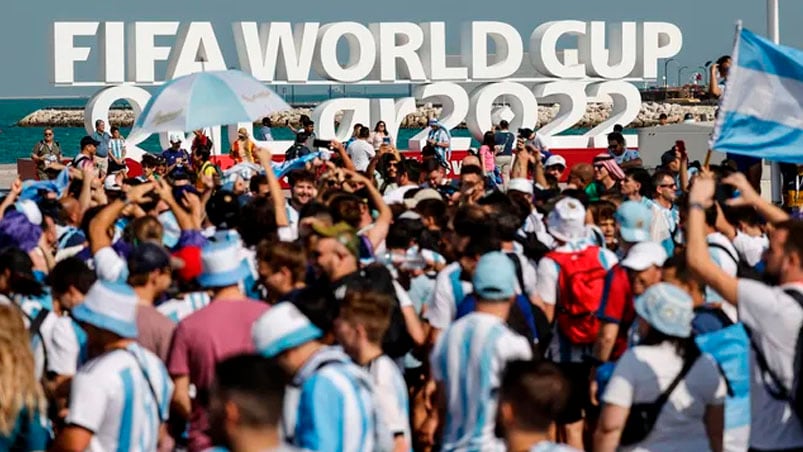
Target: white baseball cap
<point x="521" y="184"/>
<point x="110" y="183"/>
<point x="555" y="159"/>
<point x="644" y="255"/>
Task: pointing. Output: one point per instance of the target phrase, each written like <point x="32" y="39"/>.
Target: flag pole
<point x="774" y="34"/>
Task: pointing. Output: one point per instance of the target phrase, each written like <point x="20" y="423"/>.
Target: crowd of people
<point x="380" y="304"/>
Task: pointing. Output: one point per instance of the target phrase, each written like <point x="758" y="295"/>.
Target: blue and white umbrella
<point x="207" y="99"/>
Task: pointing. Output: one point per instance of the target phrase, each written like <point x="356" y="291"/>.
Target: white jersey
<point x="111" y="398"/>
<point x="468" y="359"/>
<point x="391" y="395"/>
<point x="179" y="308"/>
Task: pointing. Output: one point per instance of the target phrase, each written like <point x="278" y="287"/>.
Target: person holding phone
<point x="176" y="157"/>
<point x="361" y="151"/>
<point x="380" y="135"/>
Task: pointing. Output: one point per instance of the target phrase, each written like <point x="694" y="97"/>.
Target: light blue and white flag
<point x="761" y="113"/>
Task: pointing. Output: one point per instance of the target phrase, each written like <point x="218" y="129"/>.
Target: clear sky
<point x="707" y="25"/>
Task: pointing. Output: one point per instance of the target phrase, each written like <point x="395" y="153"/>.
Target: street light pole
<point x="666" y="68"/>
<point x="680" y="70"/>
<point x="774" y="33"/>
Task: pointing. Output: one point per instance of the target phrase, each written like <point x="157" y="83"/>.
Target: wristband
<point x="697" y="205"/>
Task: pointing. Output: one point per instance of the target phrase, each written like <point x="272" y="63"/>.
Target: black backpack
<point x="375" y="277"/>
<point x="533" y="248"/>
<point x="793" y="395"/>
<point x="742" y="269"/>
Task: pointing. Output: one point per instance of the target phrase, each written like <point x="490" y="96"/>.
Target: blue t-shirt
<point x="31" y="432"/>
<point x="170" y="155"/>
<point x="103" y="148"/>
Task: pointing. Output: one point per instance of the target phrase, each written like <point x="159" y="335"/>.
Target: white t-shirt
<point x="774" y="319"/>
<point x="111" y="398"/>
<point x="361" y="153"/>
<point x="109" y="266"/>
<point x="751" y="248"/>
<point x="469" y="358"/>
<point x="548" y="290"/>
<point x="396" y="196"/>
<point x="644" y="372"/>
<point x="724" y="260"/>
<point x="527" y="272"/>
<point x="391" y="395"/>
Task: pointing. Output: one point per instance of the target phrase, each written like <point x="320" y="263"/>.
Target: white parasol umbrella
<point x="207" y="99"/>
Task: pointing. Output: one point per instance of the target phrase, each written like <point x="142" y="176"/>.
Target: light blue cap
<point x="634" y="220"/>
<point x="667" y="308"/>
<point x="495" y="277"/>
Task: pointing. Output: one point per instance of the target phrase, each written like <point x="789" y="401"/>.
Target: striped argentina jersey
<point x="177" y="309"/>
<point x="332" y="407"/>
<point x="111" y="398"/>
<point x="391" y="396"/>
<point x="468" y="359"/>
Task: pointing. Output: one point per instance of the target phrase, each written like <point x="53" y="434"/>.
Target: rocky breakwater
<point x="595" y="114"/>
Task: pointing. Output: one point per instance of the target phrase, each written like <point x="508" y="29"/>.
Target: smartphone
<point x="681" y="146"/>
<point x="386" y="140"/>
<point x="321" y="143"/>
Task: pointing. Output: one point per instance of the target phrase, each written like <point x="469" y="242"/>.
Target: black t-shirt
<point x="506" y="139"/>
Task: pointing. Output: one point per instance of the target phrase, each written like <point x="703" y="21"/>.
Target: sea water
<point x="18" y="142"/>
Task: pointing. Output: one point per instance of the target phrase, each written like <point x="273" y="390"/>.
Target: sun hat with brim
<point x="222" y="265"/>
<point x="422" y="195"/>
<point x="109" y="306"/>
<point x="342" y="232"/>
<point x="634" y="220"/>
<point x="667" y="308"/>
<point x="567" y="219"/>
<point x="494" y="277"/>
<point x="521" y="184"/>
<point x="644" y="255"/>
<point x="281" y="328"/>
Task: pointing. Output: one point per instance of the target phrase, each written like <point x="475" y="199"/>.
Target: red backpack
<point x="581" y="280"/>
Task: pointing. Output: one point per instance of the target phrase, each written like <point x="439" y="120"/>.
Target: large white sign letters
<point x="523" y="72"/>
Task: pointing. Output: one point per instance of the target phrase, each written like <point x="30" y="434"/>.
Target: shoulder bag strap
<point x="150" y="384"/>
<point x="519" y="271"/>
<point x="730" y="255"/>
<point x="781" y="392"/>
<point x="687" y="365"/>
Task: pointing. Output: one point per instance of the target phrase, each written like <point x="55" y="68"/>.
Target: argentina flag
<point x="761" y="113"/>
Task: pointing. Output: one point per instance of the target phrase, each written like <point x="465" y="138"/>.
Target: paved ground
<point x="7" y="175"/>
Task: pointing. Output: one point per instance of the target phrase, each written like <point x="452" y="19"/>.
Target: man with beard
<point x="302" y="191"/>
<point x="772" y="313"/>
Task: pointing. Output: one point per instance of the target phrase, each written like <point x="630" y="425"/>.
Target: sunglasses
<point x="599" y="167"/>
<point x="672" y="185"/>
<point x="48" y="134"/>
